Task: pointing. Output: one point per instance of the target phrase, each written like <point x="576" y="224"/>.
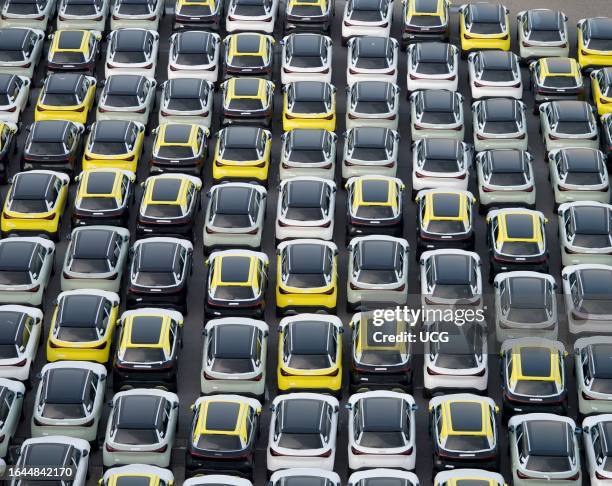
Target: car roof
<point x="452" y="269"/>
<point x="181" y="88"/>
<point x="5" y="81"/>
<point x="569" y="110"/>
<point x="70" y="39"/>
<point x="66" y="385"/>
<point x="309" y="90"/>
<point x="63" y="83"/>
<point x="222" y="416"/>
<point x="246" y="86"/>
<point x="101" y="182"/>
<point x="130" y="40"/>
<point x="93" y="243"/>
<point x="593" y="220"/>
<point x="49" y="130"/>
<point x="166" y="189"/>
<point x="247" y="43"/>
<point x="426" y="6"/>
<point x="497" y="60"/>
<point x="606" y="432"/>
<point x="13" y="38"/>
<point x="370" y="137"/>
<point x="302" y="415"/>
<point x="601" y="364"/>
<point x="487" y="12"/>
<point x="138" y="411"/>
<point x="309" y="337"/>
<point x="10" y="323"/>
<point x="507" y="161"/>
<point x="111" y="130"/>
<point x="381" y="413"/>
<point x="146" y="329"/>
<point x="596" y="282"/>
<point x="446" y="204"/>
<point x="582" y="159"/>
<point x="46" y="454"/>
<point x="16" y="255"/>
<point x="157" y="256"/>
<point x="194" y="42"/>
<point x="535" y="361"/>
<point x="442" y="148"/>
<point x="525" y="290"/>
<point x="234" y="200"/>
<point x="305" y="193"/>
<point x="372" y="46"/>
<point x="433" y="51"/>
<point x="519" y="225"/>
<point x="133" y="480"/>
<point x="241" y="137"/>
<point x="374" y="190"/>
<point x="500" y="109"/>
<point x="306" y="44"/>
<point x="548" y="437"/>
<point x="466" y="416"/>
<point x="559" y="65"/>
<point x="234" y="341"/>
<point x="307" y="139"/>
<point x="438" y="100"/>
<point x="374" y="91"/>
<point x="544" y="19"/>
<point x="378" y="254"/>
<point x="235" y="268"/>
<point x="306" y="258"/>
<point x="80" y="310"/>
<point x="31" y="185"/>
<point x="124" y="84"/>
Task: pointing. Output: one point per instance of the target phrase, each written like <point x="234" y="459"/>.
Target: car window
<point x="5" y="406"/>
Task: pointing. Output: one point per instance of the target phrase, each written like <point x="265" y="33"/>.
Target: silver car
<point x="592" y="368"/>
<point x="11" y="402"/>
<point x="568" y="123"/>
<point x="436" y="113"/>
<point x="20" y="333"/>
<point x="542" y="33"/>
<point x="127" y="96"/>
<point x="372" y="58"/>
<point x="186" y="100"/>
<point x="370" y="151"/>
<point x="20" y="50"/>
<point x="306" y="57"/>
<point x="432" y="65"/>
<point x="308" y="152"/>
<point x="499" y="123"/>
<point x="372" y="104"/>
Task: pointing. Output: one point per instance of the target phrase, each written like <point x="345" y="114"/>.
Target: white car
<point x="303" y="430"/>
<point x="592" y="369"/>
<point x="372" y="104"/>
<point x="33" y="15"/>
<point x="308" y="152"/>
<point x="217" y="480"/>
<point x="446" y="478"/>
<point x="499" y="123"/>
<point x="135" y="473"/>
<point x="251" y="16"/>
<point x="383" y="476"/>
<point x="305" y="209"/>
<point x="370" y="151"/>
<point x="495" y="73"/>
<point x="11" y="403"/>
<point x="186" y="100"/>
<point x="568" y="123"/>
<point x="132" y="51"/>
<point x="20" y="50"/>
<point x="154" y="413"/>
<point x="306" y="57"/>
<point x="436" y="113"/>
<point x="372" y="58"/>
<point x="82" y="14"/>
<point x="14" y="95"/>
<point x="579" y="174"/>
<point x="441" y="163"/>
<point x="544" y="450"/>
<point x="140" y="14"/>
<point x="194" y="54"/>
<point x="366" y="17"/>
<point x="597" y="446"/>
<point x="69" y="400"/>
<point x="542" y="33"/>
<point x="585" y="232"/>
<point x="234" y="356"/>
<point x="432" y="65"/>
<point x="381" y="430"/>
<point x="127" y="96"/>
<point x="20" y="331"/>
<point x="304" y="475"/>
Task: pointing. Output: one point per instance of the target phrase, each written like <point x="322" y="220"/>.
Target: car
<point x="234" y="357"/>
<point x="439" y="163"/>
<point x="197" y="15"/>
<point x="381" y="430"/>
<point x="306" y="207"/>
<point x="306" y="57"/>
<point x="69" y="400"/>
<point x="591" y="370"/>
<point x="372" y="58"/>
<point x="585" y="232"/>
<point x="436" y="113"/>
<point x="74" y="50"/>
<point x="20" y="50"/>
<point x="308" y="152"/>
<point x="499" y="123"/>
<point x="432" y="65"/>
<point x="247" y="101"/>
<point x="242" y="153"/>
<point x="596" y="446"/>
<point x="370" y="151"/>
<point x="374" y="206"/>
<point x="82" y="14"/>
<point x="141" y="428"/>
<point x="158" y="273"/>
<point x="179" y="149"/>
<point x="309" y="104"/>
<point x="298" y="474"/>
<point x="555" y="79"/>
<point x="517" y="241"/>
<point x="114" y="144"/>
<point x="495" y="73"/>
<point x="425" y="20"/>
<point x="525" y="305"/>
<point x="248" y="54"/>
<point x="135" y="472"/>
<point x="310" y="354"/>
<point x="303" y="430"/>
<point x="484" y="26"/>
<point x="544" y="447"/>
<point x="11" y="396"/>
<point x="505" y="178"/>
<point x="463" y="427"/>
<point x="95" y="258"/>
<point x="601" y="90"/>
<point x="103" y="196"/>
<point x="542" y="33"/>
<point x="186" y="100"/>
<point x="34" y="15"/>
<point x="457" y="362"/>
<point x="194" y="54"/>
<point x="236" y="283"/>
<point x="34" y="204"/>
<point x="14" y="96"/>
<point x="148" y="349"/>
<point x="235" y="215"/>
<point x="372" y="104"/>
<point x="224" y="429"/>
<point x="125" y="94"/>
<point x="55" y="451"/>
<point x="8" y="147"/>
<point x="66" y="96"/>
<point x="378" y="360"/>
<point x="20" y="332"/>
<point x="307" y="276"/>
<point x="366" y="17"/>
<point x="446" y="478"/>
<point x="308" y="16"/>
<point x="445" y="219"/>
<point x="565" y="124"/>
<point x="132" y="51"/>
<point x="251" y="16"/>
<point x="138" y="14"/>
<point x="586" y="288"/>
<point x="53" y="145"/>
<point x="169" y="206"/>
<point x="594" y="47"/>
<point x="606" y="139"/>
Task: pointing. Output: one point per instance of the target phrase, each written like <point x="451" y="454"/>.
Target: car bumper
<point x="314" y="123"/>
<point x="451" y="463"/>
<point x="255" y="311"/>
<point x="238" y="173"/>
<point x="140" y="379"/>
<point x="437" y="244"/>
<point x="175" y="300"/>
<point x="310" y="383"/>
<point x="200" y="465"/>
<point x="299" y="303"/>
<point x="378" y="381"/>
<point x="181" y="230"/>
<point x="292" y="25"/>
<point x="79" y="354"/>
<point x="481" y="44"/>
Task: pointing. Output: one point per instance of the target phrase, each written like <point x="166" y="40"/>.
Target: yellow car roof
<point x="246" y="88"/>
<point x="102" y="183"/>
<point x="125" y="479"/>
<point x="248" y="44"/>
<point x="308" y="3"/>
<point x="222" y="417"/>
<point x="471" y="481"/>
<point x="535" y="363"/>
<point x="446" y="206"/>
<point x="147" y="331"/>
<point x="177" y="135"/>
<point x="71" y="41"/>
<point x="466" y="417"/>
<point x="235" y="270"/>
<point x="374" y="192"/>
<point x="519" y="227"/>
<point x="367" y="341"/>
<point x="559" y="66"/>
<point x="428" y="8"/>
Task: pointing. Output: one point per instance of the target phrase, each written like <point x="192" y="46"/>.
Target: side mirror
<point x="348" y="406"/>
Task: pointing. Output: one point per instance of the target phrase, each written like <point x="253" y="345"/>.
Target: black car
<point x="198" y="15"/>
<point x="53" y="145"/>
<point x="312" y="16"/>
<point x="74" y="50"/>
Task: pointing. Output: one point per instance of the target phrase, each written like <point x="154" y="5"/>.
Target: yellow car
<point x="310" y="353"/>
<point x="555" y="78"/>
<point x="248" y="54"/>
<point x="66" y="96"/>
<point x="141" y="474"/>
<point x="35" y="203"/>
<point x="83" y="326"/>
<point x="309" y="104"/>
<point x="243" y="154"/>
<point x="307" y="276"/>
<point x="601" y="86"/>
<point x="197" y="14"/>
<point x="179" y="147"/>
<point x="74" y="50"/>
<point x="425" y="20"/>
<point x="247" y="101"/>
<point x="484" y="26"/>
<point x="594" y="38"/>
<point x="309" y="15"/>
<point x="114" y="144"/>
